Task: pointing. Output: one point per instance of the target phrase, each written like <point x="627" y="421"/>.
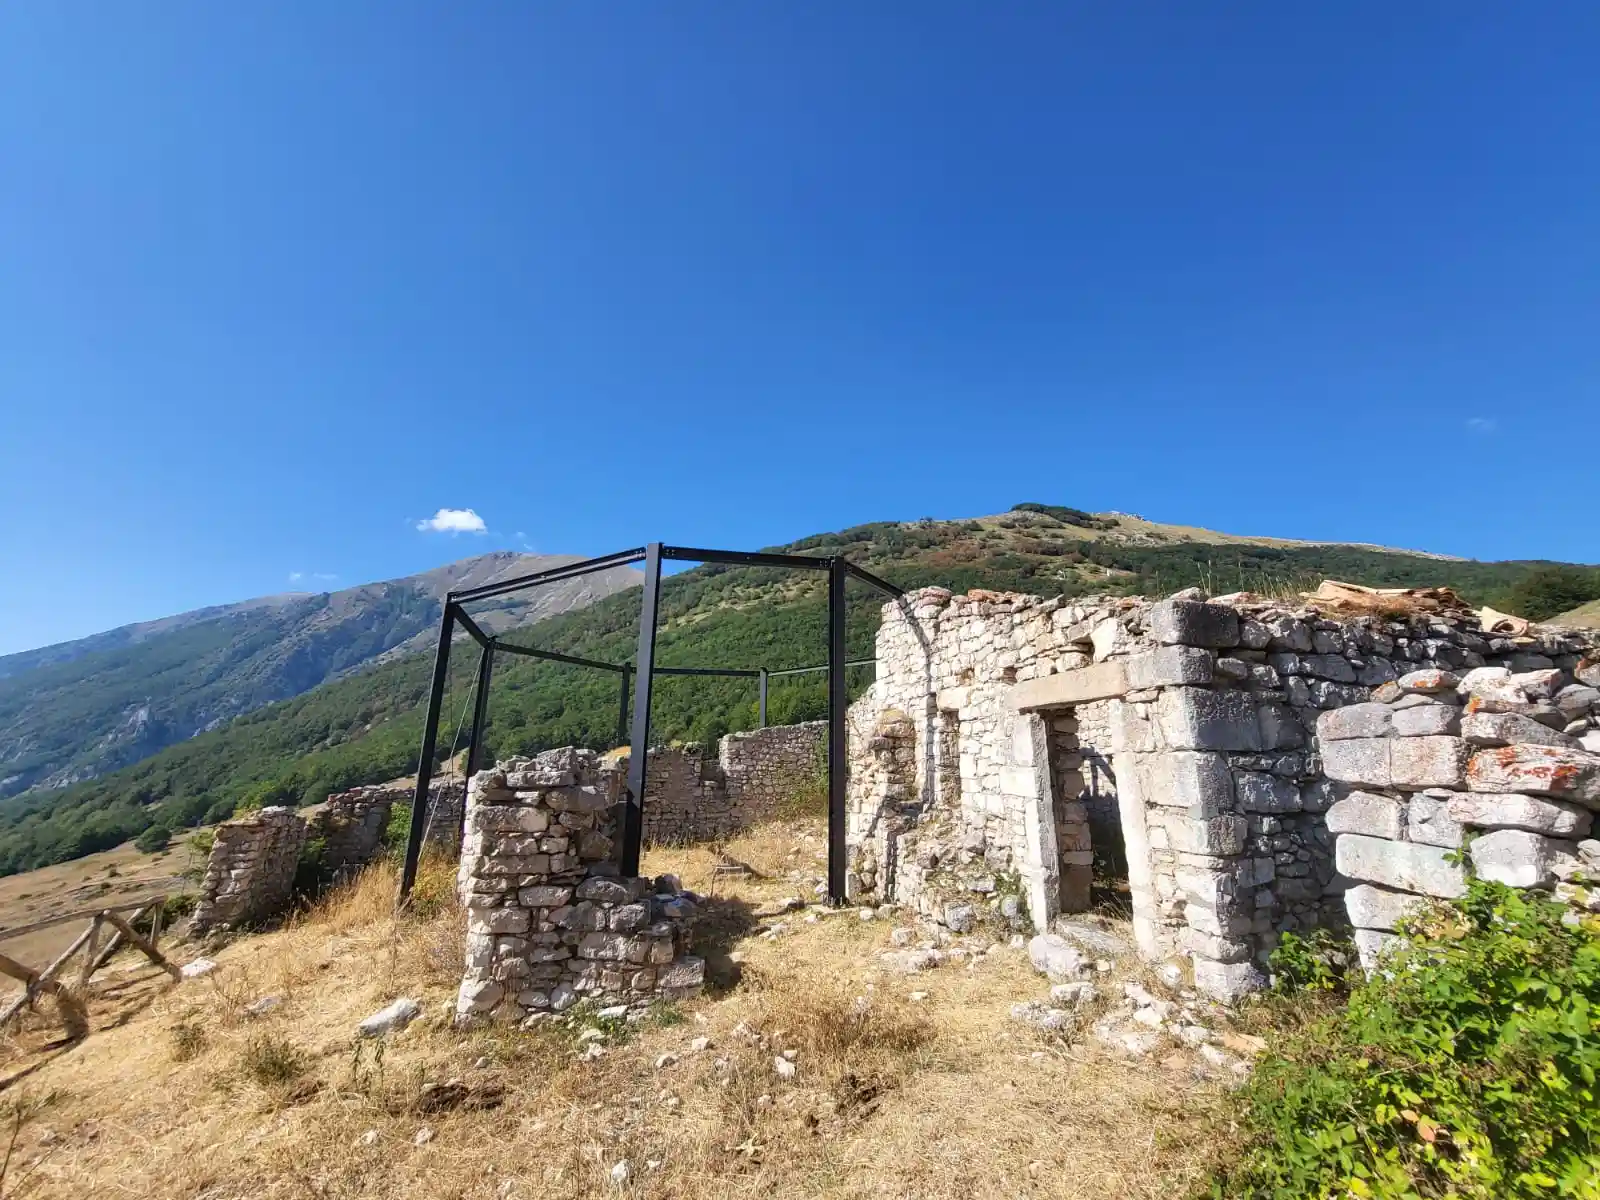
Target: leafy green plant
<point x="1321" y="961"/>
<point x="1465" y="1068"/>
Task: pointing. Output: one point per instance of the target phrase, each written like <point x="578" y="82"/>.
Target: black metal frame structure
<point x="636" y="678"/>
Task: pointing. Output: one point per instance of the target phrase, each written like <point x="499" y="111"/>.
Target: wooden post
<point x="136" y="939"/>
<point x="73" y="1014"/>
<point x="91" y="953"/>
<point x="115" y="943"/>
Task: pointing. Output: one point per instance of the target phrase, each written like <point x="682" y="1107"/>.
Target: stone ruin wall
<point x="250" y="874"/>
<point x="1437" y="762"/>
<point x="689" y="798"/>
<point x="971" y="752"/>
<point x="550" y="920"/>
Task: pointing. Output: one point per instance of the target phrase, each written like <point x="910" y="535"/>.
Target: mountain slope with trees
<point x="80" y="709"/>
<point x="366" y="727"/>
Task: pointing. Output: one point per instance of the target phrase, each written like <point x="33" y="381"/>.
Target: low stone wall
<point x="350" y="826"/>
<point x="690" y="798"/>
<point x="550" y="921"/>
<point x="250" y="874"/>
<point x="1438" y="761"/>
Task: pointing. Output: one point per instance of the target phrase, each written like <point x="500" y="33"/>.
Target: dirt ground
<point x="112" y="878"/>
<point x="249" y="1082"/>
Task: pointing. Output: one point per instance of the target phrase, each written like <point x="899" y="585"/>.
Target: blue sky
<point x="278" y="282"/>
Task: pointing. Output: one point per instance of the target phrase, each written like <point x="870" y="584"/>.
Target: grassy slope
<point x="941" y="1097"/>
<point x="1585" y="616"/>
<point x="365" y="728"/>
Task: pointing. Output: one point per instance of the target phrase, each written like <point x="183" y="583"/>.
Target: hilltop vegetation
<point x="365" y="727"/>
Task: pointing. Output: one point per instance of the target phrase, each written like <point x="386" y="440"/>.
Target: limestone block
<point x="1358" y="760"/>
<point x="1428" y="681"/>
<point x="1194" y="623"/>
<point x="1169" y="666"/>
<point x="1103" y="681"/>
<point x="1196" y="780"/>
<point x="1542" y="770"/>
<point x="1508" y="729"/>
<point x="1221" y="836"/>
<point x="1369" y="814"/>
<point x="544" y="897"/>
<point x="1329" y="666"/>
<point x="497" y="920"/>
<point x="1520" y="859"/>
<point x="1228" y="982"/>
<point x="1355" y="721"/>
<point x="1424" y="762"/>
<point x="1486" y="810"/>
<point x="1403" y="866"/>
<point x="1198" y="719"/>
<point x="1260" y="792"/>
<point x="1280" y="728"/>
<point x="1577" y="701"/>
<point x="686" y="972"/>
<point x="1372" y="907"/>
<point x="1373" y="945"/>
<point x="1428" y="720"/>
<point x="1428" y="820"/>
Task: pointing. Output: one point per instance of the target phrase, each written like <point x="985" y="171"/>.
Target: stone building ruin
<point x="754" y="776"/>
<point x="1003" y="732"/>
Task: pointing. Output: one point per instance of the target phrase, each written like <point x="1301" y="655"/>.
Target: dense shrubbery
<point x="1466" y="1069"/>
<point x="1550" y="591"/>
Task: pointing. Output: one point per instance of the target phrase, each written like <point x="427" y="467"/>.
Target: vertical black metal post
<point x="622" y="708"/>
<point x="480" y="712"/>
<point x="762" y="705"/>
<point x="644" y="668"/>
<point x="838" y="698"/>
<point x="430" y="743"/>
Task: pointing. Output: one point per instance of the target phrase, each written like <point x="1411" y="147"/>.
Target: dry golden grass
<point x="192" y="1097"/>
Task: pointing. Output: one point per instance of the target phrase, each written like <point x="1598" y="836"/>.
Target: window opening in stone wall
<point x="949" y="765"/>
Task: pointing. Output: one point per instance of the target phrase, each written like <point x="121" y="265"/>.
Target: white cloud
<point x="453" y="520"/>
<point x="1482" y="424"/>
<point x="296" y="576"/>
<point x="318" y="576"/>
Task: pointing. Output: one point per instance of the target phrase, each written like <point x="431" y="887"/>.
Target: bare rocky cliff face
<point x="80" y="709"/>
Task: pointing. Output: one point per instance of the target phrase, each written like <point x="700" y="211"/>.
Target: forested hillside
<point x="80" y="709"/>
<point x="366" y="727"/>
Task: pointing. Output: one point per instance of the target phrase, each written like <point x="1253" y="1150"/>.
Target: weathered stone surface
<point x="1541" y="770"/>
<point x="1373" y="946"/>
<point x="1428" y="720"/>
<point x="1372" y="907"/>
<point x="1056" y="957"/>
<point x="1428" y="820"/>
<point x="1228" y="982"/>
<point x="1169" y="666"/>
<point x="1194" y="623"/>
<point x="1262" y="793"/>
<point x="1197" y="719"/>
<point x="1424" y="762"/>
<point x="1222" y="835"/>
<point x="1102" y="681"/>
<point x="1367" y="813"/>
<point x="1355" y="721"/>
<point x="1196" y="780"/>
<point x="1518" y="858"/>
<point x="1402" y="866"/>
<point x="1553" y="818"/>
<point x="1358" y="760"/>
<point x="1577" y="701"/>
<point x="1428" y="681"/>
<point x="1506" y="729"/>
<point x="390" y="1018"/>
<point x="1280" y="728"/>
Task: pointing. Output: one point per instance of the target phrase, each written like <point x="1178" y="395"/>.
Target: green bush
<point x="1465" y="1069"/>
<point x="153" y="840"/>
<point x="1550" y="591"/>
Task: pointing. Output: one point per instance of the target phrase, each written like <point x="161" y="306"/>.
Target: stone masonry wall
<point x="689" y="798"/>
<point x="1211" y="713"/>
<point x="550" y="921"/>
<point x="1438" y="761"/>
<point x="351" y="824"/>
<point x="250" y="874"/>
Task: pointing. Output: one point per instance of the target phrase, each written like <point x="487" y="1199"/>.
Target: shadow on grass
<point x="721" y="923"/>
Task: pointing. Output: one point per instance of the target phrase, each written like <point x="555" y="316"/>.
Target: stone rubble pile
<point x="1491" y="760"/>
<point x="550" y="920"/>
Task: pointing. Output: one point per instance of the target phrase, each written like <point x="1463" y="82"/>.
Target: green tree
<point x="1547" y="592"/>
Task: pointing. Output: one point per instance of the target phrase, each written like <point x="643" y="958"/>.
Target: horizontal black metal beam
<point x="866" y="576"/>
<point x="744" y="558"/>
<point x="859" y="662"/>
<point x="471" y="626"/>
<point x="553" y="656"/>
<point x="734" y="672"/>
<point x="588" y="566"/>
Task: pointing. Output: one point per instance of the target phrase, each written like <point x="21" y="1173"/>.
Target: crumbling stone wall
<point x="689" y="798"/>
<point x="1435" y="762"/>
<point x="550" y="920"/>
<point x="250" y="874"/>
<point x="350" y="826"/>
<point x="1210" y="710"/>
